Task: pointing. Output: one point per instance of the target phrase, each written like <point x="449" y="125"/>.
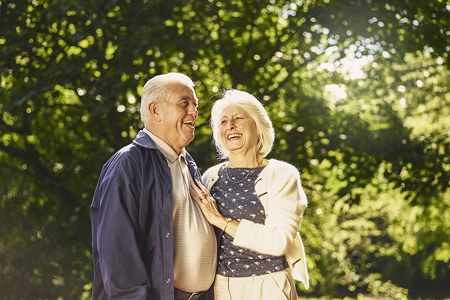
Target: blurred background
<point x="358" y="91"/>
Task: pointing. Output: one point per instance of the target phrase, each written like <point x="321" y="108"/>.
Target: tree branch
<point x="33" y="158"/>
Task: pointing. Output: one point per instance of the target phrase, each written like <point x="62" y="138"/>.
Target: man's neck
<point x="161" y="136"/>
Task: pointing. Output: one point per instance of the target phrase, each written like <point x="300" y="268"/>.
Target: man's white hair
<point x="157" y="90"/>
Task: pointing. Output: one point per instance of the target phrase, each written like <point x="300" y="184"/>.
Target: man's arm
<point x="117" y="228"/>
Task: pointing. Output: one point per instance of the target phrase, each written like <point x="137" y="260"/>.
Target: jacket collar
<point x="144" y="140"/>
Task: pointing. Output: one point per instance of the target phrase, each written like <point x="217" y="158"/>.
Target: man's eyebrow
<point x="188" y="98"/>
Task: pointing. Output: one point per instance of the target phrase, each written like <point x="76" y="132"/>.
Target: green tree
<point x="71" y="77"/>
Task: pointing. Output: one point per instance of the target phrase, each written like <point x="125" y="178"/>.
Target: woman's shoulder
<point x="214" y="170"/>
<point x="278" y="166"/>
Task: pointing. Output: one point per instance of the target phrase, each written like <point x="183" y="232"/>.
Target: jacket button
<point x="168" y="234"/>
<point x="168" y="280"/>
<point x="168" y="191"/>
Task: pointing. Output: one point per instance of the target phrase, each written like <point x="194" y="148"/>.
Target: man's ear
<point x="154" y="109"/>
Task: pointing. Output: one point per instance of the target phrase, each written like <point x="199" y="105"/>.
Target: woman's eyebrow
<point x="234" y="115"/>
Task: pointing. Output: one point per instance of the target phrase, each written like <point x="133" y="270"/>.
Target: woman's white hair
<point x="157" y="90"/>
<point x="254" y="108"/>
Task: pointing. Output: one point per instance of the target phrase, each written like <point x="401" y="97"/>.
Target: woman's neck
<point x="253" y="161"/>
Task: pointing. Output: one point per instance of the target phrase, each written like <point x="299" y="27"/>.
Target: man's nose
<point x="193" y="111"/>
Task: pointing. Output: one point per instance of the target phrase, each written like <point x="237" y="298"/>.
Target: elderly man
<point x="150" y="240"/>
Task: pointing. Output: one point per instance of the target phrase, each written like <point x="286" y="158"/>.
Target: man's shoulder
<point x="141" y="144"/>
<point x="144" y="140"/>
<point x="131" y="156"/>
<point x="129" y="151"/>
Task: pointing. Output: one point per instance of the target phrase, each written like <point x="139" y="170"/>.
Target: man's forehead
<point x="178" y="86"/>
<point x="183" y="92"/>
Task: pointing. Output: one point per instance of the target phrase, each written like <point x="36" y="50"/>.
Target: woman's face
<point x="238" y="130"/>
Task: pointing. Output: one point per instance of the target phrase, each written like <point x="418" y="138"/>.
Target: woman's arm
<point x="286" y="203"/>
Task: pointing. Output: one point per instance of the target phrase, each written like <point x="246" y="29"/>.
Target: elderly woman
<point x="256" y="205"/>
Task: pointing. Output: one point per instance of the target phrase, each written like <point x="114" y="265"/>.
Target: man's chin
<point x="187" y="140"/>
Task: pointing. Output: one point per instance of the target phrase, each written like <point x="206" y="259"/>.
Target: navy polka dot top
<point x="236" y="199"/>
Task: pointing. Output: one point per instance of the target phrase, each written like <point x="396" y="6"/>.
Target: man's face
<point x="179" y="116"/>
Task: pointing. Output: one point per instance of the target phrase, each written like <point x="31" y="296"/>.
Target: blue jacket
<point x="132" y="224"/>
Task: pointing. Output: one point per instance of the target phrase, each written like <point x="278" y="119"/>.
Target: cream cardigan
<point x="279" y="189"/>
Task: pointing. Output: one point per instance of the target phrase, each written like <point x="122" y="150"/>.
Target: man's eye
<point x="223" y="122"/>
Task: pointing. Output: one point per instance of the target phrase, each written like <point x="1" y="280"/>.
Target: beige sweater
<point x="279" y="189"/>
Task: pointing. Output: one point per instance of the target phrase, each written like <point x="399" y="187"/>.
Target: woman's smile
<point x="238" y="130"/>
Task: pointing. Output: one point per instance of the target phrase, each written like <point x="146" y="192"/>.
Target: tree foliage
<point x="374" y="161"/>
